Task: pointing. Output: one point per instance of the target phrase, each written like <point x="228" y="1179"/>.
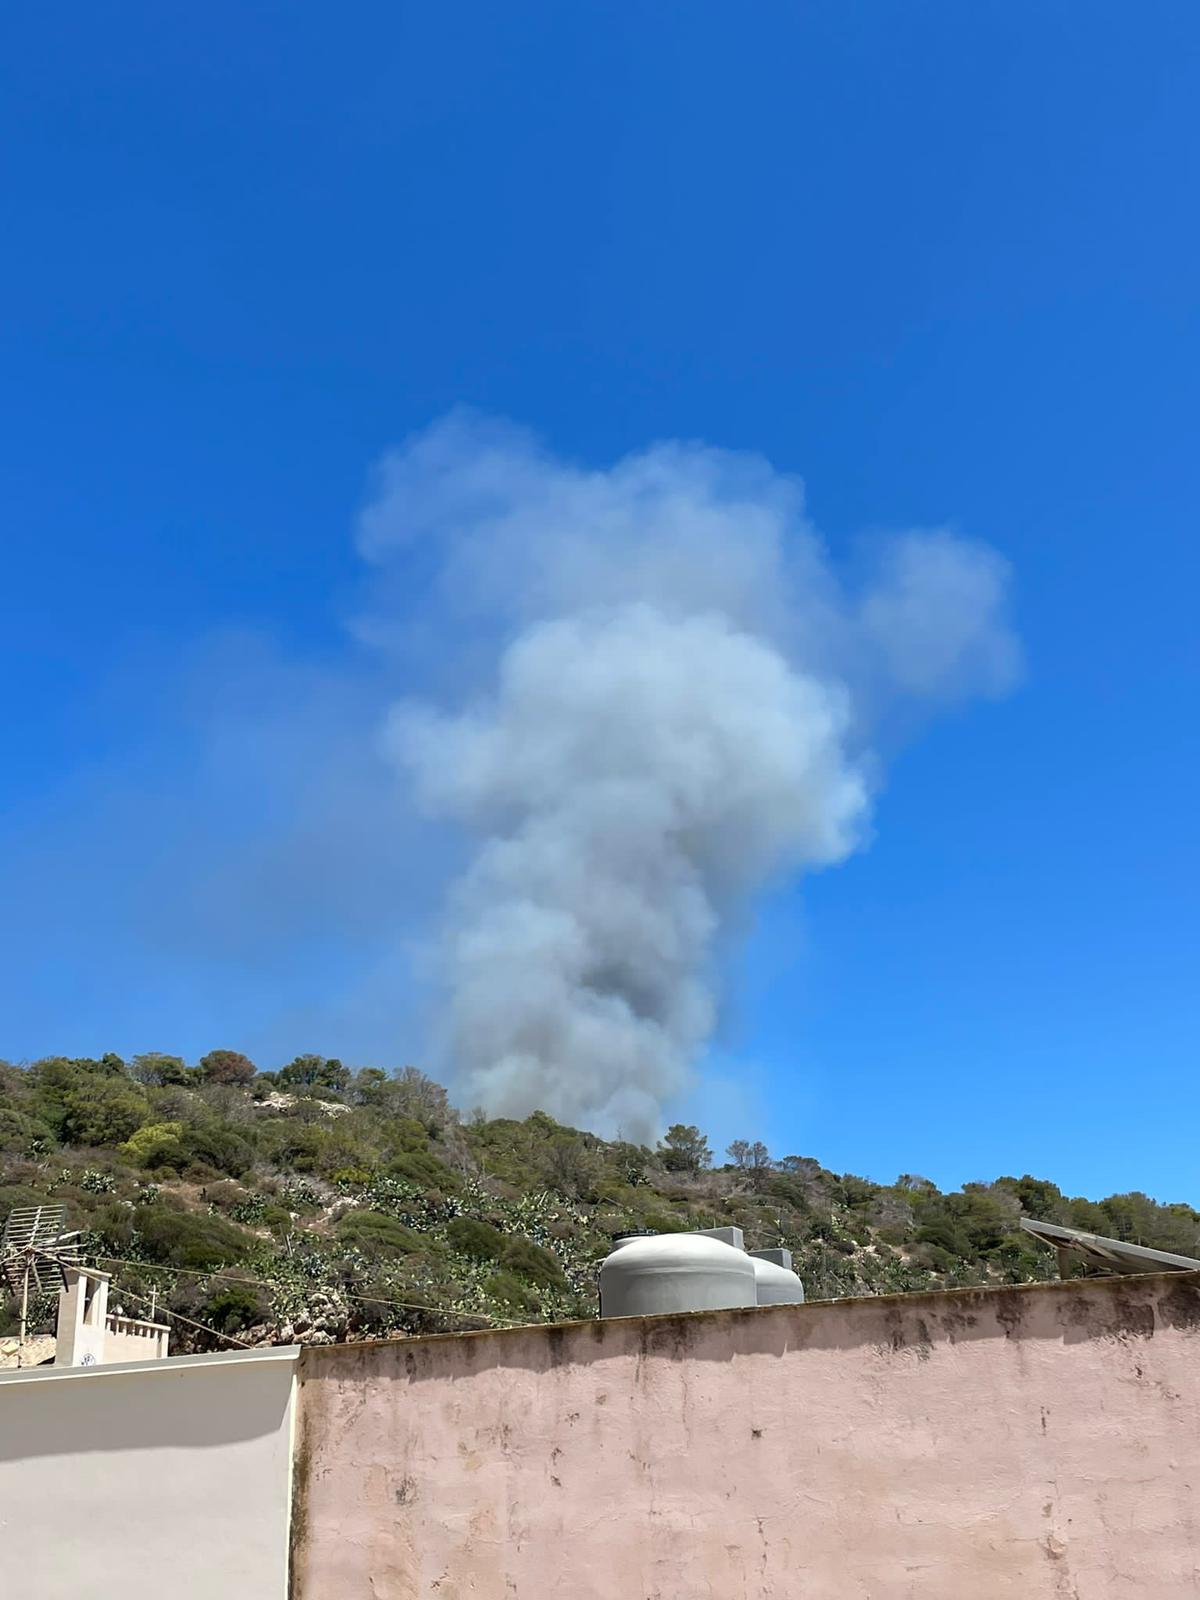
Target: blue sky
<point x="940" y="261"/>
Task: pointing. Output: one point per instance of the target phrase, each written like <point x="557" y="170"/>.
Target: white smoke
<point x="677" y="709"/>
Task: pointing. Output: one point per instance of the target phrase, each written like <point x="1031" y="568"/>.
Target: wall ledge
<point x="164" y="1365"/>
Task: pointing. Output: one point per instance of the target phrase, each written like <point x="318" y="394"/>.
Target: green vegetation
<point x="319" y="1204"/>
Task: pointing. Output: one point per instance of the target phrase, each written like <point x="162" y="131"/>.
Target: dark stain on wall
<point x="298" y="1527"/>
<point x="1122" y="1313"/>
<point x="1179" y="1305"/>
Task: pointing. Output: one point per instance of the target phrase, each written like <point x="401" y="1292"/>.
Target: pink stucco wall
<point x="1023" y="1443"/>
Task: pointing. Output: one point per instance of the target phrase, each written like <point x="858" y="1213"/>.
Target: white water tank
<point x="648" y="1275"/>
<point x="775" y="1282"/>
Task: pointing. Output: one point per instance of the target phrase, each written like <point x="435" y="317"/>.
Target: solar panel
<point x="1109" y="1255"/>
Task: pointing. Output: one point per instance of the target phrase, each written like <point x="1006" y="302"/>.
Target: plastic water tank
<point x="646" y="1276"/>
<point x="775" y="1282"/>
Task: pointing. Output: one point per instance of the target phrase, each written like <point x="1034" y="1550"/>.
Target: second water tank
<point x="775" y="1282"/>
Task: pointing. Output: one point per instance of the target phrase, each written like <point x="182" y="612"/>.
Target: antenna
<point x="36" y="1251"/>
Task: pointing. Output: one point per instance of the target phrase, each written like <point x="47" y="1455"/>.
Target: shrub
<point x="944" y="1236"/>
<point x="510" y="1293"/>
<point x="216" y="1146"/>
<point x="570" y="1166"/>
<point x="233" y="1307"/>
<point x="376" y="1235"/>
<point x="408" y="1134"/>
<point x="663" y="1222"/>
<point x="16" y="1196"/>
<point x="259" y="1212"/>
<point x="307" y="1141"/>
<point x="425" y="1170"/>
<point x="51" y="1081"/>
<point x="102" y="1110"/>
<point x="20" y="1133"/>
<point x="301" y="1198"/>
<point x="530" y="1261"/>
<point x="854" y="1191"/>
<point x="476" y="1239"/>
<point x="182" y="1239"/>
<point x="147" y="1147"/>
<point x="793" y="1189"/>
<point x="935" y="1257"/>
<point x="351" y="1178"/>
<point x="92" y="1181"/>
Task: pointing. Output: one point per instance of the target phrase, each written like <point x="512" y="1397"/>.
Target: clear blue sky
<point x="939" y="259"/>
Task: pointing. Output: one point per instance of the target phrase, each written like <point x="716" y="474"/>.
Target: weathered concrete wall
<point x="138" y="1482"/>
<point x="1022" y="1444"/>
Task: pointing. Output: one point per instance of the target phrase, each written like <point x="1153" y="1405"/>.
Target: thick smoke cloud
<point x="672" y="701"/>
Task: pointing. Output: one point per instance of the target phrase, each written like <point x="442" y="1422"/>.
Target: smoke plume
<point x="670" y="700"/>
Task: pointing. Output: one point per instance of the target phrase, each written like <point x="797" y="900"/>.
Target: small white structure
<point x="90" y="1336"/>
<point x="652" y="1274"/>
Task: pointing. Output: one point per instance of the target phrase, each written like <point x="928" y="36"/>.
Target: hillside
<point x="318" y="1204"/>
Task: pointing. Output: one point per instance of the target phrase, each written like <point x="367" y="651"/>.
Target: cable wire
<point x="347" y="1294"/>
<point x="179" y="1317"/>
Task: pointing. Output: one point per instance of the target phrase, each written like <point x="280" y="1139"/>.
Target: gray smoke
<point x="676" y="709"/>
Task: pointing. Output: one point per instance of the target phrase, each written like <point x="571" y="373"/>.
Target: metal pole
<point x="24" y="1309"/>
